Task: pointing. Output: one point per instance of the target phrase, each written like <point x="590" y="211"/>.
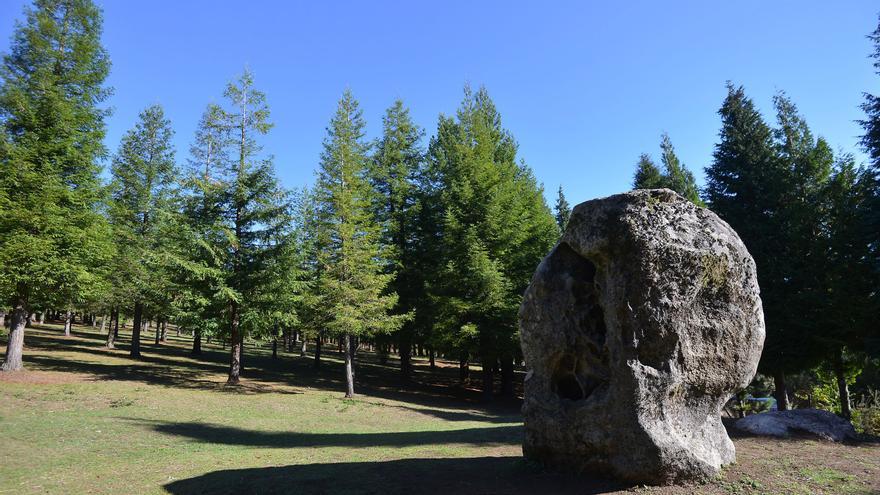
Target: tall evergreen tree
<point x="144" y="173"/>
<point x="494" y="229"/>
<point x="871" y="107"/>
<point x="392" y="173"/>
<point x="354" y="287"/>
<point x="764" y="183"/>
<point x="201" y="238"/>
<point x="52" y="233"/>
<point x="563" y="210"/>
<point x="252" y="210"/>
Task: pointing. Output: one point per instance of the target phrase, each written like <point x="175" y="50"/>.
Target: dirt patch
<point x="44" y="377"/>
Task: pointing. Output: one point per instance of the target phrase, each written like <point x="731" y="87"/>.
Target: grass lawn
<point x="84" y="419"/>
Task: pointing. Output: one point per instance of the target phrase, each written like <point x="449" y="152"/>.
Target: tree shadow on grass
<point x="463" y="476"/>
<point x="228" y="435"/>
<point x="171" y="364"/>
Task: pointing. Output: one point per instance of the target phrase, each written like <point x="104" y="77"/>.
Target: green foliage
<point x="674" y="175"/>
<point x="562" y="210"/>
<point x="352" y="284"/>
<point x="53" y="236"/>
<point x="143" y="175"/>
<point x="493" y="228"/>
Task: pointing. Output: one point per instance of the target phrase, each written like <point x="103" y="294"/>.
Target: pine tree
<point x="841" y="309"/>
<point x="494" y="228"/>
<point x="252" y="210"/>
<point x="871" y="107"/>
<point x="674" y="175"/>
<point x="764" y="184"/>
<point x="202" y="237"/>
<point x="647" y="174"/>
<point x="143" y="173"/>
<point x="52" y="233"/>
<point x="392" y="172"/>
<point x="871" y="180"/>
<point x="563" y="210"/>
<point x="354" y="286"/>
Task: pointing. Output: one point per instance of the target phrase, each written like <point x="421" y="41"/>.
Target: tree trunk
<point x="318" y="343"/>
<point x="158" y="333"/>
<point x="42" y="317"/>
<point x="2" y="319"/>
<point x="136" y="326"/>
<point x="116" y="324"/>
<point x="164" y="331"/>
<point x="15" y="345"/>
<point x="842" y="387"/>
<point x="68" y="320"/>
<point x="464" y="370"/>
<point x="349" y="368"/>
<point x="431" y="358"/>
<point x="103" y="323"/>
<point x="111" y="335"/>
<point x="303" y="349"/>
<point x="507" y="388"/>
<point x="197" y="343"/>
<point x="235" y="345"/>
<point x="488" y="376"/>
<point x="275" y="347"/>
<point x="780" y="392"/>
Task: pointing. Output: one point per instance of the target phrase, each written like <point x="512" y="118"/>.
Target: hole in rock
<point x="583" y="366"/>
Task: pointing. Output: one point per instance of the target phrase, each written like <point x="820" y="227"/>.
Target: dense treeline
<point x="809" y="218"/>
<point x="405" y="244"/>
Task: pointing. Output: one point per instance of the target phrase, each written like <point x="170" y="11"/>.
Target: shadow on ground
<point x="479" y="475"/>
<point x="170" y="364"/>
<point x="226" y="435"/>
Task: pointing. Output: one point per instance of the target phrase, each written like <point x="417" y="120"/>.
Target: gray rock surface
<point x="636" y="329"/>
<point x="822" y="424"/>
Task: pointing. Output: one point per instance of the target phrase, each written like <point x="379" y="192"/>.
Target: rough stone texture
<point x="822" y="424"/>
<point x="636" y="329"/>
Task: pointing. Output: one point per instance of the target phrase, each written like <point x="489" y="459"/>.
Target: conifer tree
<point x="393" y="171"/>
<point x="563" y="210"/>
<point x="647" y="174"/>
<point x="674" y="175"/>
<point x="252" y="210"/>
<point x="52" y="234"/>
<point x="494" y="228"/>
<point x="202" y="238"/>
<point x="144" y="174"/>
<point x="354" y="285"/>
<point x="764" y="183"/>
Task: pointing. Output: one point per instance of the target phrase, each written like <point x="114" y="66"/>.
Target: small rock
<point x="822" y="424"/>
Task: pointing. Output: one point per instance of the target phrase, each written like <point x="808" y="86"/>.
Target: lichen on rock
<point x="636" y="329"/>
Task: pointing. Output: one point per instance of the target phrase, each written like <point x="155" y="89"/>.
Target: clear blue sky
<point x="584" y="86"/>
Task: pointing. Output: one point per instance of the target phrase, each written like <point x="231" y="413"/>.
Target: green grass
<point x="84" y="419"/>
<point x="118" y="426"/>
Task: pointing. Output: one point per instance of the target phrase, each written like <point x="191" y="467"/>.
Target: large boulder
<point x="636" y="329"/>
<point x="813" y="422"/>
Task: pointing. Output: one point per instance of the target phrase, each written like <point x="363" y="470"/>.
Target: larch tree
<point x="143" y="175"/>
<point x="562" y="210"/>
<point x="392" y="173"/>
<point x="354" y="285"/>
<point x="53" y="235"/>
